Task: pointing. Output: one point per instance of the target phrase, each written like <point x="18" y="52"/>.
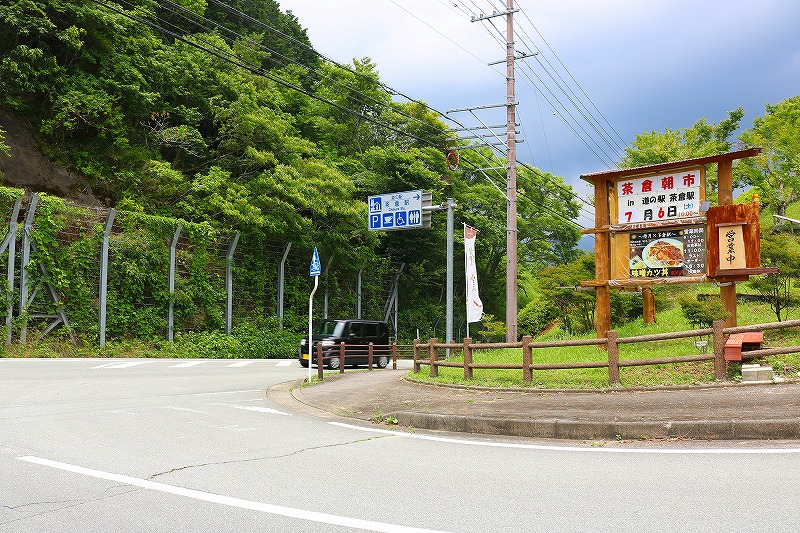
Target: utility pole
<point x="511" y="182"/>
<point x="512" y="256"/>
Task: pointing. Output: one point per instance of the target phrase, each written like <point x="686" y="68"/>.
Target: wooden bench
<point x="742" y="342"/>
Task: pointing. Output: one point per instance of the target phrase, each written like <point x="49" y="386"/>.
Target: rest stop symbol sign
<point x="396" y="211"/>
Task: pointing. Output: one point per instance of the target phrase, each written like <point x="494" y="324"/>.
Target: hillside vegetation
<point x="224" y="116"/>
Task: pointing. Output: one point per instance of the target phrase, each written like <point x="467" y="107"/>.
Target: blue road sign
<point x="316" y="266"/>
<point x="375" y="221"/>
<point x="393" y="211"/>
<point x="374" y="204"/>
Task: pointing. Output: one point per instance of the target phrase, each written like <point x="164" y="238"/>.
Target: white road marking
<point x="594" y="449"/>
<point x="253" y="408"/>
<point x="285" y="363"/>
<point x="184" y="409"/>
<point x="239" y="363"/>
<point x="290" y="512"/>
<point x="187" y="364"/>
<point x="122" y="365"/>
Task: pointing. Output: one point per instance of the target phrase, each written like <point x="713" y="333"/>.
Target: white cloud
<point x="645" y="65"/>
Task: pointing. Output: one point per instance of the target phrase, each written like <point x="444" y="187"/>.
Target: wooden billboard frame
<point x="604" y="183"/>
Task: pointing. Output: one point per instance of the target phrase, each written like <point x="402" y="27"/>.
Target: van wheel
<point x="383" y="361"/>
<point x="333" y="363"/>
<point x="304" y="363"/>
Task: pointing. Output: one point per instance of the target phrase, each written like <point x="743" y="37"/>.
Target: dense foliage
<point x="222" y="118"/>
<point x="221" y="115"/>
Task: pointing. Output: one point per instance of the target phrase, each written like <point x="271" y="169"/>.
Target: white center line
<point x="121" y="365"/>
<point x="239" y="363"/>
<point x="290" y="512"/>
<point x="187" y="364"/>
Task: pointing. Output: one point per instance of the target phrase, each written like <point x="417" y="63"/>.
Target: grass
<point x="669" y="319"/>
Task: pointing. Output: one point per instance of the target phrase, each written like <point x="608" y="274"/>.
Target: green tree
<point x="561" y="285"/>
<point x="701" y="139"/>
<point x="776" y="171"/>
<point x="783" y="251"/>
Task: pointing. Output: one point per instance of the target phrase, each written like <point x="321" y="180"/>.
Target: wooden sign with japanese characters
<point x="734" y="248"/>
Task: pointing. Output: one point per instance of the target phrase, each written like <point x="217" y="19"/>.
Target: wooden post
<point x="416" y="356"/>
<point x="613" y="358"/>
<point x="433" y="369"/>
<point x="341" y="358"/>
<point x="727" y="291"/>
<point x="394" y="356"/>
<point x="602" y="251"/>
<point x="320" y="361"/>
<point x="467" y="359"/>
<point x="720" y="366"/>
<point x="648" y="305"/>
<point x="370" y="355"/>
<point x="527" y="359"/>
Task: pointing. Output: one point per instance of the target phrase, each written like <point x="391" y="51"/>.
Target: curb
<point x="732" y="429"/>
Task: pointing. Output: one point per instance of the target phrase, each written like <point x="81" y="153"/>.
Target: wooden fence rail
<point x="611" y="343"/>
<point x="342" y="352"/>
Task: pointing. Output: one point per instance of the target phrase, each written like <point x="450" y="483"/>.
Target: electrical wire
<point x="257" y="70"/>
<point x="572" y="77"/>
<point x="555" y="101"/>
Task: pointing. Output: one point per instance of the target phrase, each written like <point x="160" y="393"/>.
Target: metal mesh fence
<point x="63" y="271"/>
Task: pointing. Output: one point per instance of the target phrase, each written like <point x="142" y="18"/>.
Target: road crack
<point x="266" y="457"/>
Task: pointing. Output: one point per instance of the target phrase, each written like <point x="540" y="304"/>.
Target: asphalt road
<point x="196" y="445"/>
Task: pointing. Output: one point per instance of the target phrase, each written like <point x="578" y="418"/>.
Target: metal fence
<point x="98" y="274"/>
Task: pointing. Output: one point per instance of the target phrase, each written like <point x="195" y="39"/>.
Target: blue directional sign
<point x="396" y="211"/>
<point x="316" y="266"/>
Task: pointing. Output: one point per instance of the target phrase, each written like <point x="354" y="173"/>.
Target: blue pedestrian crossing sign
<point x="398" y="210"/>
<point x="316" y="266"/>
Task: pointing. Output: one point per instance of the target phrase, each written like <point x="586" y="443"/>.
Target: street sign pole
<point x="315" y="270"/>
<point x="449" y="306"/>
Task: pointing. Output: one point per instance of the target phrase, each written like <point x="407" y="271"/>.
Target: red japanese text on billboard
<point x="663" y="197"/>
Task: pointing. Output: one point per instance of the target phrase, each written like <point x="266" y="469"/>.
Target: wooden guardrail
<point x="342" y="352"/>
<point x="428" y="353"/>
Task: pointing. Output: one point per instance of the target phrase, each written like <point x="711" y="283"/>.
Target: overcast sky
<point x="644" y="65"/>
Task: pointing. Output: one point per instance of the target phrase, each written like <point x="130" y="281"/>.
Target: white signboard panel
<point x="662" y="197"/>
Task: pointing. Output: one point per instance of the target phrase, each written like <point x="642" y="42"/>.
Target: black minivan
<point x="356" y="334"/>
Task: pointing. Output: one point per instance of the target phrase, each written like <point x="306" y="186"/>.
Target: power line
<point x="259" y="71"/>
<point x="558" y="81"/>
<point x="236" y="60"/>
<point x="286" y="60"/>
<point x="572" y="77"/>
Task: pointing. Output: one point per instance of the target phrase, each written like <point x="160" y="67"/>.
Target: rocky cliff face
<point x="29" y="169"/>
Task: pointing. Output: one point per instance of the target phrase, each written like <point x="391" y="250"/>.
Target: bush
<point x="536" y="317"/>
<point x="625" y="307"/>
<point x="702" y="313"/>
<point x="266" y="340"/>
<point x="248" y="340"/>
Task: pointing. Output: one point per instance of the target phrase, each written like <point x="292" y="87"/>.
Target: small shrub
<point x="703" y="313"/>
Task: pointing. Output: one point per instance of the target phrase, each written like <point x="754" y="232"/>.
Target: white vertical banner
<point x="474" y="304"/>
